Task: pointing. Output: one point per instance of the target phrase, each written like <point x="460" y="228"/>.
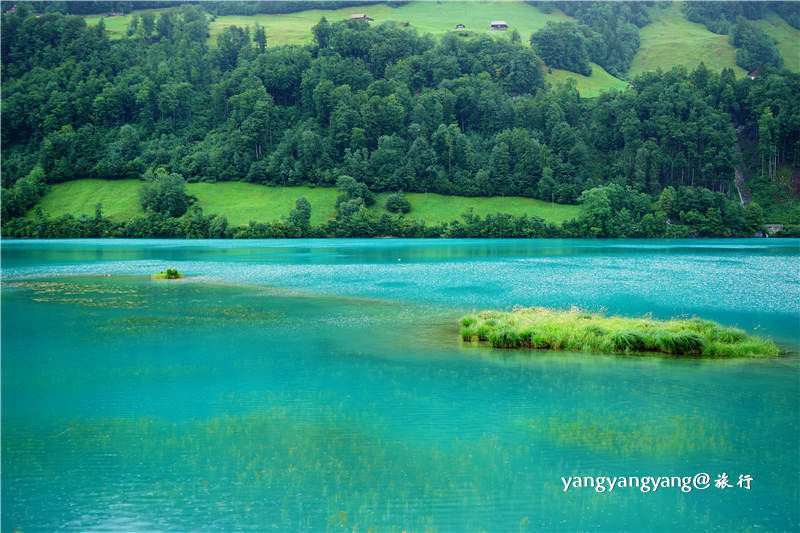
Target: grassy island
<point x="551" y="329"/>
<point x="170" y="273"/>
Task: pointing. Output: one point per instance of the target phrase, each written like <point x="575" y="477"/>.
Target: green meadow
<point x="119" y="198"/>
<point x="671" y="40"/>
<point x="242" y="202"/>
<point x="588" y="86"/>
<point x="435" y="208"/>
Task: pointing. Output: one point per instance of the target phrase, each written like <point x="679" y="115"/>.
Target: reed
<point x="542" y="328"/>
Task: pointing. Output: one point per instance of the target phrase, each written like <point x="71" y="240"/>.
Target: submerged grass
<point x="542" y="328"/>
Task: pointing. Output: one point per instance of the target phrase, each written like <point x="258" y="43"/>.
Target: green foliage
<point x="23" y="194"/>
<point x="610" y="31"/>
<point x="720" y="16"/>
<point x="393" y="110"/>
<point x="398" y="203"/>
<point x="300" y="216"/>
<point x="789" y="11"/>
<point x="756" y="48"/>
<point x="562" y="45"/>
<point x="165" y="193"/>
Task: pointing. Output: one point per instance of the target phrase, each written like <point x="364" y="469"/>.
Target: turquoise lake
<point x="321" y="385"/>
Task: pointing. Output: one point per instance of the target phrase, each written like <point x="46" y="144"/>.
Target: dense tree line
<point x="755" y="47"/>
<point x="610" y="30"/>
<point x="392" y="110"/>
<point x="788" y="11"/>
<point x="720" y="16"/>
<point x="564" y="45"/>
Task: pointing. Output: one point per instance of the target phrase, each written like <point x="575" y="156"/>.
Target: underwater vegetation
<point x="551" y="329"/>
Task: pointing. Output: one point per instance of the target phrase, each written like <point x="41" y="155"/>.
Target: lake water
<point x="321" y="385"/>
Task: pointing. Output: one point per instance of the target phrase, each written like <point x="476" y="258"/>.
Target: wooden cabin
<point x="498" y="25"/>
<point x="360" y="16"/>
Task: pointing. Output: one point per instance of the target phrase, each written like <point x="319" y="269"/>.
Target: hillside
<point x="668" y="41"/>
<point x="436" y="18"/>
<point x="426" y="17"/>
<point x="242" y="202"/>
<point x="377" y="108"/>
<point x="788" y="39"/>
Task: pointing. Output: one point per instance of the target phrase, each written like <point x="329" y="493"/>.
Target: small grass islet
<point x="552" y="329"/>
<point x="170" y="273"/>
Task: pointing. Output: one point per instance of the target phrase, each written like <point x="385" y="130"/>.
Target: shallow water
<point x="321" y="385"/>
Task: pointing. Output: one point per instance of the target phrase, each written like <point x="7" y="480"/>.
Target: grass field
<point x="588" y="86"/>
<point x="671" y="40"/>
<point x="788" y="39"/>
<point x="119" y="198"/>
<point x="435" y="208"/>
<point x="242" y="202"/>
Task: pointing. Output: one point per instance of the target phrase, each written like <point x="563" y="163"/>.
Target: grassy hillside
<point x="119" y="198"/>
<point x="788" y="39"/>
<point x="668" y="41"/>
<point x="243" y="202"/>
<point x="671" y="40"/>
<point x="588" y="86"/>
<point x="426" y="17"/>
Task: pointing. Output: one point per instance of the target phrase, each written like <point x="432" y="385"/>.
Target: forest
<point x="375" y="108"/>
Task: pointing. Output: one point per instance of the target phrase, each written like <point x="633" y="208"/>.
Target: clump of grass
<point x="170" y="273"/>
<point x="727" y="335"/>
<point x="542" y="328"/>
<point x="504" y="338"/>
<point x="628" y="340"/>
<point x="681" y="343"/>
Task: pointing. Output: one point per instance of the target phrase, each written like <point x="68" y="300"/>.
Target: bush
<point x="398" y="203"/>
<point x="165" y="193"/>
